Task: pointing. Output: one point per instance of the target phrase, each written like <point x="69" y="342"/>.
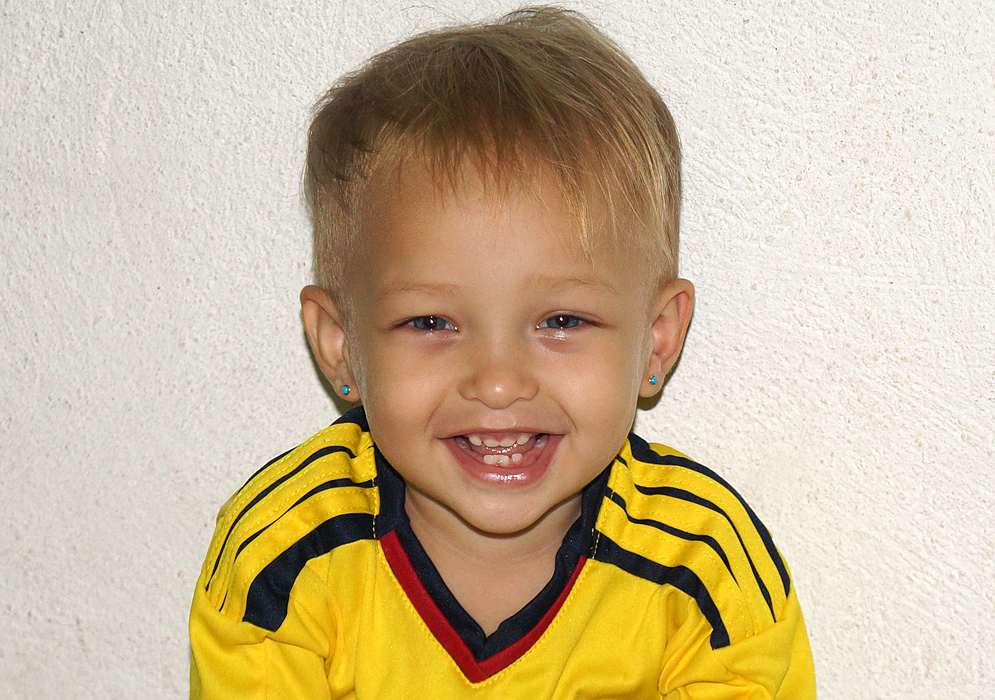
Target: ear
<point x="326" y="335"/>
<point x="671" y="309"/>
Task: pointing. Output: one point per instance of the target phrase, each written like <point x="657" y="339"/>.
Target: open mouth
<point x="511" y="449"/>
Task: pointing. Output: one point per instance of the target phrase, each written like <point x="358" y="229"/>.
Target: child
<point x="495" y="238"/>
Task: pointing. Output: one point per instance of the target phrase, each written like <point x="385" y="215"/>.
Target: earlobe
<point x="326" y="335"/>
<point x="672" y="313"/>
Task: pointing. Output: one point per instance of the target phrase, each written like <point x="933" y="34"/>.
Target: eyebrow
<point x="550" y="282"/>
<point x="420" y="288"/>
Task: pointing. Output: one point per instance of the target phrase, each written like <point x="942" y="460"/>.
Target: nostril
<point x="498" y="379"/>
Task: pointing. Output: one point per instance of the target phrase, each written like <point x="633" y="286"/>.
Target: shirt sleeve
<point x="773" y="664"/>
<point x="235" y="660"/>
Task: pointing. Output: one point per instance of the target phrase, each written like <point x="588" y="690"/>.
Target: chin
<point x="493" y="519"/>
<point x="499" y="524"/>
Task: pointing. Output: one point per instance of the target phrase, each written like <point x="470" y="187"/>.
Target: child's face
<point x="498" y="364"/>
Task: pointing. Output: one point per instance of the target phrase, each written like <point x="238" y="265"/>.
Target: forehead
<point x="419" y="229"/>
<point x="403" y="185"/>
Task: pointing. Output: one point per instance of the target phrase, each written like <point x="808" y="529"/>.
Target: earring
<point x="653" y="379"/>
<point x="345" y="389"/>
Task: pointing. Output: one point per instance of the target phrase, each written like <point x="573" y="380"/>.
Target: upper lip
<point x="498" y="434"/>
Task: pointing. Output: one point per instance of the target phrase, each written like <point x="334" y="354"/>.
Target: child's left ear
<point x="673" y="306"/>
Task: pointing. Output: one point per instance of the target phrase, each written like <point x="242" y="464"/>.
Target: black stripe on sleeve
<point x="676" y="532"/>
<point x="264" y="468"/>
<point x="642" y="451"/>
<point x="698" y="500"/>
<point x="680" y="577"/>
<point x="333" y="484"/>
<point x="269" y="592"/>
<point x="356" y="415"/>
<point x="323" y="452"/>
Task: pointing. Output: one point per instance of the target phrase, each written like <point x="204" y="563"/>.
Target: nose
<point x="498" y="375"/>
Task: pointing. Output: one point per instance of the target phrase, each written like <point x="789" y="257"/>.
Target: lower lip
<point x="530" y="470"/>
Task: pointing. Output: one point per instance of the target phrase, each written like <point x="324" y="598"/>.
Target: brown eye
<point x="561" y="322"/>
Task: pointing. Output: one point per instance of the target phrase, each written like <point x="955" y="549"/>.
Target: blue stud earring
<point x="653" y="379"/>
<point x="345" y="389"/>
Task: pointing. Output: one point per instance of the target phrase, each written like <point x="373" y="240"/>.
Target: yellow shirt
<point x="668" y="586"/>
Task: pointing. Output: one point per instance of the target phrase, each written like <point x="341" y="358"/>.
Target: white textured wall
<point x="839" y="225"/>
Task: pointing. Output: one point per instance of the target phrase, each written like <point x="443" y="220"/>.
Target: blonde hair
<point x="539" y="91"/>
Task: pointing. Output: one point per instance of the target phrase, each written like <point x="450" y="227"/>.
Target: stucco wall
<point x="839" y="224"/>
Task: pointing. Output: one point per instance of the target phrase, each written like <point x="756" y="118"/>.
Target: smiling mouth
<point x="502" y="450"/>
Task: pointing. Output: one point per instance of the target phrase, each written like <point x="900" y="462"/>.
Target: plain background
<point x="839" y="223"/>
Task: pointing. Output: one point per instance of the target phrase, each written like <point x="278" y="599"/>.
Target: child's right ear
<point x="326" y="334"/>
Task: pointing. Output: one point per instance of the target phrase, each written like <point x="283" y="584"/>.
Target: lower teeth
<point x="504" y="460"/>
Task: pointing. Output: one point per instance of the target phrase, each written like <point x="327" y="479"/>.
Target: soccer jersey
<point x="667" y="586"/>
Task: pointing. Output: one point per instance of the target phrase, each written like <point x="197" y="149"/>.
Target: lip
<point x="534" y="464"/>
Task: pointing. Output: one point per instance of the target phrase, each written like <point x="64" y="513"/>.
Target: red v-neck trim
<point x="475" y="671"/>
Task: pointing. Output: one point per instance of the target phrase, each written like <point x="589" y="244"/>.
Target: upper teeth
<point x="503" y="442"/>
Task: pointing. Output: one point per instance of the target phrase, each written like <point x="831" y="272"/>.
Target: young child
<point x="495" y="238"/>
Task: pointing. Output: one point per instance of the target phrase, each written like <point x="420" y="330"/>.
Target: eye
<point x="561" y="322"/>
<point x="430" y="323"/>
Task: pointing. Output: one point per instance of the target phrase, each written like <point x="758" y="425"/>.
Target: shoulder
<point x="298" y="506"/>
<point x="668" y="519"/>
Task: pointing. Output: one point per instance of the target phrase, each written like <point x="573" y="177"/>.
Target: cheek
<point x="627" y="373"/>
<point x="628" y="361"/>
<point x="396" y="387"/>
<point x="605" y="382"/>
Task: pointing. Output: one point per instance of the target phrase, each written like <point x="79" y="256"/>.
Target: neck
<point x="492" y="576"/>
